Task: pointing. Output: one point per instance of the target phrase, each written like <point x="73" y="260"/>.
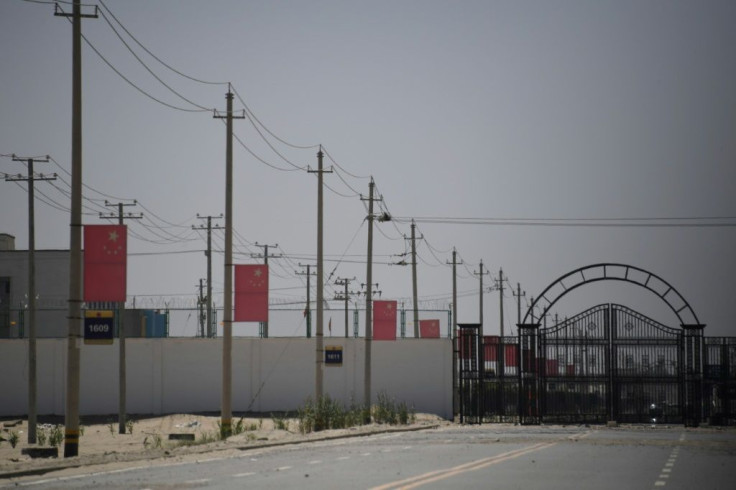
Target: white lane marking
<point x="316" y="461"/>
<point x="664" y="475"/>
<point x="196" y="482"/>
<point x="666" y="470"/>
<point x="366" y="454"/>
<point x="240" y="475"/>
<point x="670" y="465"/>
<point x="283" y="468"/>
<point x="343" y="458"/>
<point x="660" y="483"/>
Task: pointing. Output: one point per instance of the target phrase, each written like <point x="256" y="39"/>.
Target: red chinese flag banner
<point x="511" y="356"/>
<point x="429" y="329"/>
<point x="491" y="343"/>
<point x="105" y="262"/>
<point x="251" y="293"/>
<point x="384" y="320"/>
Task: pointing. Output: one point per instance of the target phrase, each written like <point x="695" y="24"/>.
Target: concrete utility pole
<point x="121" y="323"/>
<point x="32" y="381"/>
<point x="369" y="303"/>
<point x="319" y="354"/>
<point x="226" y="415"/>
<point x="308" y="309"/>
<point x="414" y="278"/>
<point x="208" y="253"/>
<point x="71" y="414"/>
<point x="518" y="295"/>
<point x="265" y="256"/>
<point x="481" y="357"/>
<point x="455" y="393"/>
<point x="343" y="281"/>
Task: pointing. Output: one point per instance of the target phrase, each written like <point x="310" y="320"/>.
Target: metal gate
<point x="608" y="363"/>
<point x="612" y="363"/>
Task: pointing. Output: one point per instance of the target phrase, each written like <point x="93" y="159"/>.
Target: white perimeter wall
<point x="185" y="375"/>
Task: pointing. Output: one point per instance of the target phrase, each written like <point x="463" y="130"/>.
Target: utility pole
<point x="208" y="254"/>
<point x="414" y="277"/>
<point x="71" y="414"/>
<point x="265" y="256"/>
<point x="481" y="353"/>
<point x="369" y="298"/>
<point x="518" y="295"/>
<point x="226" y="415"/>
<point x="121" y="323"/>
<point x="319" y="354"/>
<point x="32" y="382"/>
<point x="455" y="394"/>
<point x="344" y="281"/>
<point x="369" y="307"/>
<point x="201" y="302"/>
<point x="308" y="309"/>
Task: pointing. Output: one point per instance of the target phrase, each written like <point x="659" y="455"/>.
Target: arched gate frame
<point x="640" y="369"/>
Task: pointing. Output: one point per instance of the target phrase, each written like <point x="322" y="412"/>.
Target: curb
<point x="62" y="464"/>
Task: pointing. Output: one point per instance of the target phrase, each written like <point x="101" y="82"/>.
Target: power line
<point x="668" y="222"/>
<point x="153" y="55"/>
<point x="112" y="67"/>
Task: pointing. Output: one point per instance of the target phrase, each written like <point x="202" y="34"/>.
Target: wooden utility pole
<point x="71" y="413"/>
<point x="226" y="415"/>
<point x="308" y="309"/>
<point x="211" y="329"/>
<point x="121" y="322"/>
<point x="265" y="256"/>
<point x="32" y="381"/>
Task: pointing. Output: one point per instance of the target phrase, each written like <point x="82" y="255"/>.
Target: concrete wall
<point x="184" y="375"/>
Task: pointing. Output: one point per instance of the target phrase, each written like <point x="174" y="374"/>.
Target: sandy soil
<point x="149" y="438"/>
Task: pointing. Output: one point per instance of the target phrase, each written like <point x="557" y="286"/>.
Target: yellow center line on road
<point x="438" y="475"/>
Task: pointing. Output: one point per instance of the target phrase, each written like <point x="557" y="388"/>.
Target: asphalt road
<point x="491" y="456"/>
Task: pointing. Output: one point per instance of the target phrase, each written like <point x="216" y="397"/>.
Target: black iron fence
<point x="608" y="363"/>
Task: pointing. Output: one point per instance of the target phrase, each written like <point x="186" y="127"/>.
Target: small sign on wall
<point x="98" y="327"/>
<point x="333" y="355"/>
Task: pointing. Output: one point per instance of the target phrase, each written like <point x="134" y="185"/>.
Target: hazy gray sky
<point x="529" y="110"/>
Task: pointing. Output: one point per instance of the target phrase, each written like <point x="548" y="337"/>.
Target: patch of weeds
<point x="41" y="437"/>
<point x="208" y="437"/>
<point x="279" y="423"/>
<point x="129" y="426"/>
<point x="111" y="427"/>
<point x="254" y="426"/>
<point x="239" y="427"/>
<point x="260" y="423"/>
<point x="384" y="412"/>
<point x="305" y="416"/>
<point x="56" y="436"/>
<point x="13" y="439"/>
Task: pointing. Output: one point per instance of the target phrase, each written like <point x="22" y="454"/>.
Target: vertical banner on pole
<point x="429" y="329"/>
<point x="384" y="320"/>
<point x="251" y="293"/>
<point x="105" y="262"/>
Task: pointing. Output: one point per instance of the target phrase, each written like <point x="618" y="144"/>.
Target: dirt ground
<point x="149" y="438"/>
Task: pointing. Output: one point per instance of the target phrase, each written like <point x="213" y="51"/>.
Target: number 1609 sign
<point x="98" y="327"/>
